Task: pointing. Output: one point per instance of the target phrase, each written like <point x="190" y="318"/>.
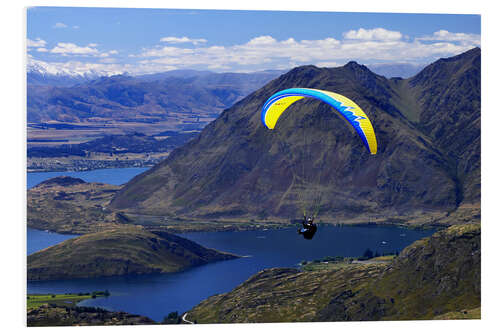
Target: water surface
<point x="157" y="295"/>
<point x="38" y="239"/>
<point x="116" y="176"/>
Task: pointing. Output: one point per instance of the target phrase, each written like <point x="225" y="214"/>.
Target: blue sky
<point x="137" y="41"/>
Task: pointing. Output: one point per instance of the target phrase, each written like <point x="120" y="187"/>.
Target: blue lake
<point x="157" y="295"/>
<point x="38" y="240"/>
<point x="117" y="176"/>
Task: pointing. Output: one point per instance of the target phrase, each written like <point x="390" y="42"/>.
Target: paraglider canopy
<point x="350" y="111"/>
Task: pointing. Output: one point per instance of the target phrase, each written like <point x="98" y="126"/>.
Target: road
<point x="184" y="319"/>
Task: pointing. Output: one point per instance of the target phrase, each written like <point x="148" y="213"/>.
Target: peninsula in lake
<point x="123" y="251"/>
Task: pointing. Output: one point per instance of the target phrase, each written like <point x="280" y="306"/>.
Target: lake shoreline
<point x="147" y="294"/>
<point x="238" y="227"/>
<point x="180" y="224"/>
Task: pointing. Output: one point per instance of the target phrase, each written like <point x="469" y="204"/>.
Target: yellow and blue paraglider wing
<point x="279" y="102"/>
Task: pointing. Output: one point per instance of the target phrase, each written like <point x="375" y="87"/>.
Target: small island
<point x="124" y="251"/>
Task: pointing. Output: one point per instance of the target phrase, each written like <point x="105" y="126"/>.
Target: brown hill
<point x="123" y="251"/>
<point x="71" y="205"/>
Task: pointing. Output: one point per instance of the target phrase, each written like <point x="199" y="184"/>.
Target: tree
<point x="368" y="254"/>
<point x="172" y="318"/>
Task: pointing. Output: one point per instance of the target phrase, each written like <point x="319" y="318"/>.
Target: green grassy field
<point x="36" y="300"/>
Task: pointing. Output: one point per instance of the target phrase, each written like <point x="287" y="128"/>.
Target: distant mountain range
<point x="36" y="77"/>
<point x="403" y="70"/>
<point x="176" y="96"/>
<point x="428" y="164"/>
<point x="40" y="74"/>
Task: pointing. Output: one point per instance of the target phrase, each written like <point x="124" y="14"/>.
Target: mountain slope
<point x="436" y="277"/>
<point x="122" y="251"/>
<point x="449" y="95"/>
<point x="237" y="168"/>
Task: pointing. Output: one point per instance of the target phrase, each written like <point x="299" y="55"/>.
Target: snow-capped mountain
<point x="63" y="75"/>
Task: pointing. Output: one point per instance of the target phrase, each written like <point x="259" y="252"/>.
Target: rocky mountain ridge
<point x="151" y="98"/>
<point x="427" y="167"/>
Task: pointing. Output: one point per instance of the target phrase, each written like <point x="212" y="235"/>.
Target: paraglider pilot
<point x="308" y="227"/>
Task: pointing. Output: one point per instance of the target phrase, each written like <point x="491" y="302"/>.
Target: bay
<point x="39" y="239"/>
<point x="157" y="295"/>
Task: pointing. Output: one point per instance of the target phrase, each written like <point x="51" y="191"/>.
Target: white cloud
<point x="444" y="35"/>
<point x="59" y="25"/>
<point x="373" y="34"/>
<point x="262" y="52"/>
<point x="263" y="40"/>
<point x="107" y="60"/>
<point x="165" y="52"/>
<point x="35" y="43"/>
<point x="107" y="54"/>
<point x="366" y="46"/>
<point x="328" y="64"/>
<point x="179" y="40"/>
<point x="71" y="48"/>
<point x="42" y="49"/>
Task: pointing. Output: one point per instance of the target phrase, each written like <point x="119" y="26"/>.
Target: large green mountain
<point x="427" y="166"/>
<point x="437" y="277"/>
